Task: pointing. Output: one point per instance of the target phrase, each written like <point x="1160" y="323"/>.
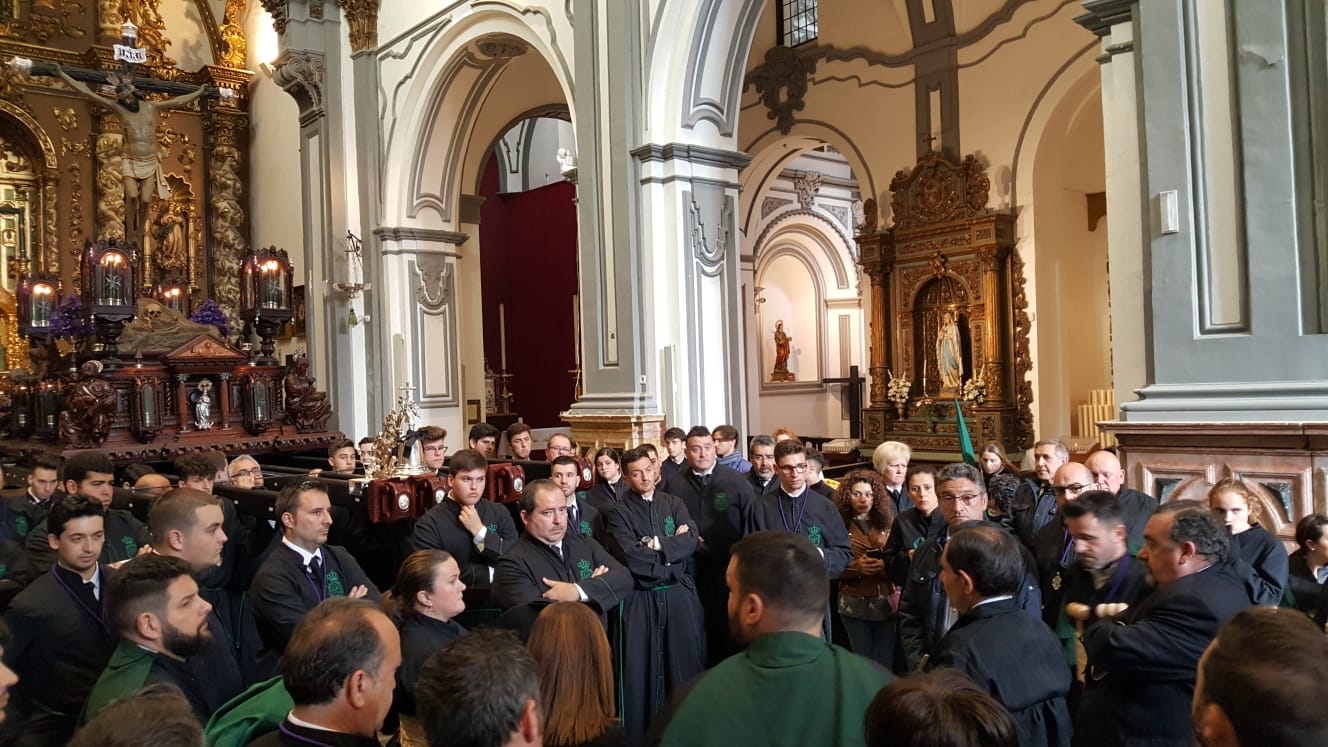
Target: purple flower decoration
<point x="210" y="313"/>
<point x="68" y="320"/>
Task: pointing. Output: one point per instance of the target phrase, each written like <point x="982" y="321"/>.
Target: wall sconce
<point x="265" y="296"/>
<point x="110" y="277"/>
<point x="352" y="273"/>
<point x="38" y="295"/>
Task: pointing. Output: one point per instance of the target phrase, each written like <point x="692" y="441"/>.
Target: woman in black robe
<point x="426" y="599"/>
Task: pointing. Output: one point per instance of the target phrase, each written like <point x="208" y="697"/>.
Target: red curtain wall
<point x="528" y="264"/>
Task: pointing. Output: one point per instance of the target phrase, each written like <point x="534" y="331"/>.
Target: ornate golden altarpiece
<point x="948" y="315"/>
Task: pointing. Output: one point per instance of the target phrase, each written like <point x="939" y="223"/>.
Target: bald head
<point x="1070" y="481"/>
<point x="152" y="484"/>
<point x="1107" y="472"/>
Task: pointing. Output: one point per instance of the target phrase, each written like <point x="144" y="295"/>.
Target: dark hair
<point x="1102" y="504"/>
<point x="699" y="431"/>
<point x="788" y="447"/>
<point x="882" y="512"/>
<point x="1268" y="672"/>
<point x="333" y="641"/>
<point x="217" y="459"/>
<point x="631" y="456"/>
<point x="1194" y="522"/>
<point x="140" y="586"/>
<point x="565" y="460"/>
<point x="467" y="460"/>
<point x="338" y="446"/>
<point x="1309" y="529"/>
<point x="919" y="469"/>
<point x="431" y="433"/>
<point x="610" y="452"/>
<point x="158" y="715"/>
<point x="942" y="708"/>
<point x="675" y="434"/>
<point x="575" y="665"/>
<point x="527" y="501"/>
<point x="990" y="556"/>
<point x="288" y="500"/>
<point x="786" y="571"/>
<point x="1002" y="488"/>
<point x="70" y="508"/>
<point x="960" y="471"/>
<point x="760" y="440"/>
<point x="194" y="464"/>
<point x="993" y="447"/>
<point x="516" y="429"/>
<point x="46" y="461"/>
<point x="177" y="510"/>
<point x="725" y="433"/>
<point x="650" y="450"/>
<point x="474" y="691"/>
<point x="132" y="473"/>
<point x="483" y="430"/>
<point x="367" y="440"/>
<point x="415" y="575"/>
<point x="78" y="466"/>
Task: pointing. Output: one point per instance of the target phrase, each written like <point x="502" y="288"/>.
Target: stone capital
<point x="362" y="20"/>
<point x="1101" y="15"/>
<point x="301" y="72"/>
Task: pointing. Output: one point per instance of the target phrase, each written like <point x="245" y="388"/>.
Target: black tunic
<point x="1267" y="560"/>
<point x="1018" y="662"/>
<point x="1303" y="587"/>
<point x="1053" y="549"/>
<point x="59" y="644"/>
<point x="284" y="591"/>
<point x="440" y="529"/>
<point x="421" y="638"/>
<point x="518" y="576"/>
<point x="719" y="506"/>
<point x="663" y="642"/>
<point x="1138" y="508"/>
<point x="907" y="533"/>
<point x="589" y="519"/>
<point x="811" y="515"/>
<point x="125" y="535"/>
<point x="760" y="487"/>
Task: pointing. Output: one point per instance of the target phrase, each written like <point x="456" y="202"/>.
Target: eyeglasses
<point x="1075" y="488"/>
<point x="435" y="449"/>
<point x="561" y="449"/>
<point x="792" y="468"/>
<point x="966" y="498"/>
<point x="255" y="472"/>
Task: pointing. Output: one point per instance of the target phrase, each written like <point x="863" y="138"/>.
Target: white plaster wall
<point x="274" y="149"/>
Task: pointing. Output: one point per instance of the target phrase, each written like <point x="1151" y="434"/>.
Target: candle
<point x="576" y="330"/>
<point x="502" y="335"/>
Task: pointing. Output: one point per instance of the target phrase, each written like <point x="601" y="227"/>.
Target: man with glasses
<point x="798" y="509"/>
<point x="1137" y="507"/>
<point x="433" y="454"/>
<point x="1053" y="547"/>
<point x="559" y="444"/>
<point x="245" y="473"/>
<point x="925" y="614"/>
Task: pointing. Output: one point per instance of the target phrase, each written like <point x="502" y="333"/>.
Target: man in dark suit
<point x="1035" y="502"/>
<point x="997" y="644"/>
<point x="1142" y="664"/>
<point x="582" y="516"/>
<point x="1053" y="548"/>
<point x="1137" y="507"/>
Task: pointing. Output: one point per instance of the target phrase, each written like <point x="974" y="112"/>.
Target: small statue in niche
<point x="949" y="352"/>
<point x="203" y="405"/>
<point x="783" y="346"/>
<point x="306" y="408"/>
<point x="171" y="252"/>
<point x="89" y="408"/>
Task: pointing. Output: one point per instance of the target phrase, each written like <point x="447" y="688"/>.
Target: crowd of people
<point x="689" y="595"/>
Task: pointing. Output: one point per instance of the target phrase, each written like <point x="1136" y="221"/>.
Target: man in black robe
<point x="60" y="635"/>
<point x="654" y="536"/>
<point x="796" y="508"/>
<point x="474" y="531"/>
<point x="998" y="645"/>
<point x="1137" y="507"/>
<point x="92" y="475"/>
<point x="718" y="500"/>
<point x="1143" y="662"/>
<point x="582" y="516"/>
<point x="550" y="564"/>
<point x="1053" y="548"/>
<point x="761" y="453"/>
<point x="304" y="570"/>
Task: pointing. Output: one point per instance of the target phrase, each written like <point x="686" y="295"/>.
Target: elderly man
<point x="762" y="473"/>
<point x="1052" y="546"/>
<point x="559" y="444"/>
<point x="998" y="645"/>
<point x="1035" y="502"/>
<point x="788" y="686"/>
<point x="245" y="472"/>
<point x="340" y="670"/>
<point x="1136" y="506"/>
<point x="925" y="614"/>
<point x="1263" y="682"/>
<point x="1142" y="664"/>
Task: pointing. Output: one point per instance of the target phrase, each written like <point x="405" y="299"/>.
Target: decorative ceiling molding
<point x="708" y="50"/>
<point x="696" y="154"/>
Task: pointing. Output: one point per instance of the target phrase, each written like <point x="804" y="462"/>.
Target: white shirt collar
<point x="707" y="473"/>
<point x="649" y="497"/>
<point x="794" y="495"/>
<point x="305" y="555"/>
<point x="989" y="600"/>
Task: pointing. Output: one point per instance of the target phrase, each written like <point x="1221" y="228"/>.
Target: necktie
<point x="557" y="550"/>
<point x="91" y="589"/>
<point x="705" y="482"/>
<point x="571" y="519"/>
<point x="316" y="569"/>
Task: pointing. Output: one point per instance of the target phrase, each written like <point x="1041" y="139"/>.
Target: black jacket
<point x="1138" y="507"/>
<point x="1032" y="507"/>
<point x="440" y="529"/>
<point x="283" y="591"/>
<point x="906" y="535"/>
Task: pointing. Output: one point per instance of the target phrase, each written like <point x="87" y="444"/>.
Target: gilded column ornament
<point x="50" y="233"/>
<point x="362" y="18"/>
<point x="109" y="21"/>
<point x="280" y="15"/>
<point x="68" y="120"/>
<point x="877" y="367"/>
<point x="226" y="210"/>
<point x="1023" y="356"/>
<point x="110" y="178"/>
<point x="151" y="29"/>
<point x="300" y="73"/>
<point x="232" y="34"/>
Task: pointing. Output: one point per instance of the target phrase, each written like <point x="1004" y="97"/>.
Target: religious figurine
<point x="782" y="349"/>
<point x="143" y="178"/>
<point x="306" y="408"/>
<point x="203" y="405"/>
<point x="170" y="251"/>
<point x="89" y="408"/>
<point x="949" y="358"/>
